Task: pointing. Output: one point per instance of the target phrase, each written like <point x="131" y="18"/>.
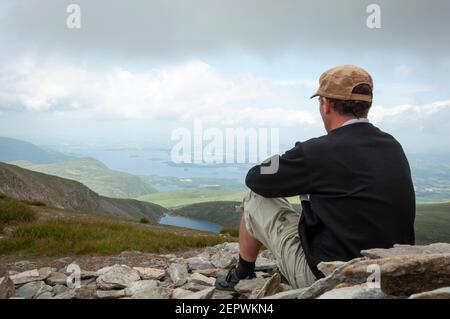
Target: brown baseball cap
<point x="339" y="82"/>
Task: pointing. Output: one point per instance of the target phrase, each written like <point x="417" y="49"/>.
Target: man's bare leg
<point x="249" y="249"/>
<point x="249" y="246"/>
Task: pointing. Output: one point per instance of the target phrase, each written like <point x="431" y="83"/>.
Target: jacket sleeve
<point x="293" y="177"/>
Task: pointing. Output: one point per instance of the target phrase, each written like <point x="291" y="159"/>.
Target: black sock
<point x="244" y="268"/>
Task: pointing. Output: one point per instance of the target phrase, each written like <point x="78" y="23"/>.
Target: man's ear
<point x="327" y="107"/>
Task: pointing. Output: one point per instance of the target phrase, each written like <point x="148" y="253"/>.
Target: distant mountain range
<point x="94" y="175"/>
<point x="57" y="192"/>
<point x="14" y="150"/>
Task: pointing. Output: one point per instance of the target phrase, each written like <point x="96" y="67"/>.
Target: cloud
<point x="178" y="29"/>
<point x="181" y="92"/>
<point x="407" y="112"/>
<point x="193" y="90"/>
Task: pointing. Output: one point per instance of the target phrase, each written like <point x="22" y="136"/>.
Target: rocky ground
<point x="416" y="272"/>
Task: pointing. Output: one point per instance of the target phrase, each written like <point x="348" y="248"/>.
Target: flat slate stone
<point x="441" y="293"/>
<point x="404" y="250"/>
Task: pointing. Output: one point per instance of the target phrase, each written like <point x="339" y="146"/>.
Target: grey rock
<point x="110" y="294"/>
<point x="119" y="276"/>
<point x="285" y="287"/>
<point x="290" y="294"/>
<point x="202" y="294"/>
<point x="355" y="292"/>
<point x="196" y="263"/>
<point x="212" y="272"/>
<point x="193" y="286"/>
<point x="29" y="290"/>
<point x="69" y="294"/>
<point x="150" y="273"/>
<point x="156" y="293"/>
<point x="140" y="286"/>
<point x="271" y="287"/>
<point x="86" y="292"/>
<point x="219" y="294"/>
<point x="45" y="295"/>
<point x="102" y="271"/>
<point x="335" y="278"/>
<point x="328" y="267"/>
<point x="85" y="274"/>
<point x="405" y="275"/>
<point x="441" y="293"/>
<point x="206" y="253"/>
<point x="401" y="275"/>
<point x="180" y="292"/>
<point x="405" y="250"/>
<point x="178" y="273"/>
<point x="224" y="259"/>
<point x="201" y="279"/>
<point x="46" y="272"/>
<point x="44" y="290"/>
<point x="56" y="278"/>
<point x="26" y="277"/>
<point x="262" y="274"/>
<point x="168" y="256"/>
<point x="86" y="282"/>
<point x="7" y="288"/>
<point x="232" y="247"/>
<point x="59" y="289"/>
<point x="247" y="286"/>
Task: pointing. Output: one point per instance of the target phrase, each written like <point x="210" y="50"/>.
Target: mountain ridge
<point x="57" y="192"/>
<point x="14" y="149"/>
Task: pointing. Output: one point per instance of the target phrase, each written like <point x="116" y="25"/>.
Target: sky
<point x="137" y="70"/>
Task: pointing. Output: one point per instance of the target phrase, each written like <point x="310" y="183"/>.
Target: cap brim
<point x="315" y="95"/>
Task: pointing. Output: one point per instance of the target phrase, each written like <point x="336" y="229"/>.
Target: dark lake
<point x="181" y="221"/>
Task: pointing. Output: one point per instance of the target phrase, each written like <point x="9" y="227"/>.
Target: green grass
<point x="62" y="237"/>
<point x="12" y="211"/>
<point x="234" y="232"/>
<point x="191" y="196"/>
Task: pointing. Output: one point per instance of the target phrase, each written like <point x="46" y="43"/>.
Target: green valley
<point x="94" y="175"/>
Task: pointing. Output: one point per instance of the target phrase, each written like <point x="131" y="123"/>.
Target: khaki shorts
<point x="274" y="222"/>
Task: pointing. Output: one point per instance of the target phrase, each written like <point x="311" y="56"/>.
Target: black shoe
<point x="230" y="280"/>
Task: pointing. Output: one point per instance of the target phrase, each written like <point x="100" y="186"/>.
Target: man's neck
<point x="340" y="121"/>
<point x="346" y="120"/>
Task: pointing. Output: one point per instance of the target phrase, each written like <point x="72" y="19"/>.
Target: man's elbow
<point x="250" y="181"/>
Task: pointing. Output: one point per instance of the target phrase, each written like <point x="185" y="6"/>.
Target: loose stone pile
<point x="416" y="272"/>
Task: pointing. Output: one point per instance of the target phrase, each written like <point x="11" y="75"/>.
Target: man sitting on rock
<point x="354" y="184"/>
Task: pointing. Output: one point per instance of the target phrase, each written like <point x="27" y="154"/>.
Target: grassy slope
<point x="192" y="196"/>
<point x="433" y="223"/>
<point x="57" y="232"/>
<point x="26" y="185"/>
<point x="94" y="175"/>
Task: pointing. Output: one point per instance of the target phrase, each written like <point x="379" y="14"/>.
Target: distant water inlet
<point x="187" y="222"/>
